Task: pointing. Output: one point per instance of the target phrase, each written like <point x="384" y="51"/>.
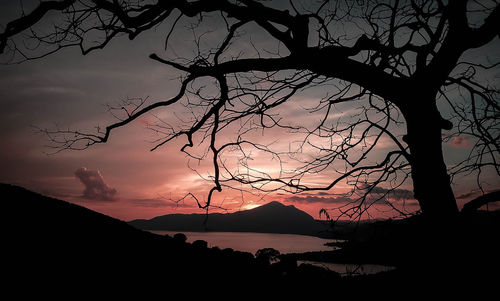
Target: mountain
<point x="273" y="217"/>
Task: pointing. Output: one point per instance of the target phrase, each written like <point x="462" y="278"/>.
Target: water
<point x="347" y="269"/>
<point x="284" y="243"/>
<point x="252" y="242"/>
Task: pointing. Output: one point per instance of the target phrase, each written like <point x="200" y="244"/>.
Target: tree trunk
<point x="431" y="182"/>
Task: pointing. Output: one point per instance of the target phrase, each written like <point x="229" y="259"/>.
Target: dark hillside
<point x="46" y="239"/>
<point x="464" y="250"/>
<point x="52" y="245"/>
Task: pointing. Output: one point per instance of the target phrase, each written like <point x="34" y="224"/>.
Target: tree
<point x="398" y="64"/>
<point x="267" y="256"/>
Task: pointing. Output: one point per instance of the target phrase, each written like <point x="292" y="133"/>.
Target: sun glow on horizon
<point x="250" y="206"/>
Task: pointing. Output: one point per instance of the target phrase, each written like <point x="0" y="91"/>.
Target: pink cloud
<point x="459" y="142"/>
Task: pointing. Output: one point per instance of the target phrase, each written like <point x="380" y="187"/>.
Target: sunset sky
<point x="123" y="178"/>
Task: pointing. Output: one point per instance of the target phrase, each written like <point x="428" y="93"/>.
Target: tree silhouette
<point x="267" y="256"/>
<point x="397" y="64"/>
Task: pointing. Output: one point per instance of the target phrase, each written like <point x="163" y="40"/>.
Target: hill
<point x="273" y="217"/>
<point x="52" y="247"/>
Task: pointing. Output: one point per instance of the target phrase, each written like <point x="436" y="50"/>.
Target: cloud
<point x="459" y="142"/>
<point x="309" y="199"/>
<point x="395" y="194"/>
<point x="322" y="197"/>
<point x="466" y="195"/>
<point x="161" y="203"/>
<point x="95" y="187"/>
<point x="390" y="193"/>
<point x="323" y="193"/>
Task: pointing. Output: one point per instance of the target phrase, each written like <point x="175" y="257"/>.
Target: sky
<point x="123" y="178"/>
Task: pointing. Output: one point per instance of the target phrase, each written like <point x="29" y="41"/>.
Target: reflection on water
<point x="345" y="269"/>
<point x="252" y="242"/>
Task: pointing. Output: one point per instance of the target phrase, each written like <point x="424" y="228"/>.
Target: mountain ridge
<point x="273" y="217"/>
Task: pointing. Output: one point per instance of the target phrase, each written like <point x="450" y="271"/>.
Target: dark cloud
<point x="309" y="199"/>
<point x="160" y="203"/>
<point x="466" y="195"/>
<point x="323" y="193"/>
<point x="95" y="187"/>
<point x="325" y="197"/>
<point x="395" y="194"/>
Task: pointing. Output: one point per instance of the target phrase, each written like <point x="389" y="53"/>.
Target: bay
<point x="284" y="243"/>
<point x="252" y="242"/>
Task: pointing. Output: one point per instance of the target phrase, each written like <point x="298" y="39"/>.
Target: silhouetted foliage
<point x="200" y="244"/>
<point x="180" y="237"/>
<point x="267" y="255"/>
<point x="463" y="249"/>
